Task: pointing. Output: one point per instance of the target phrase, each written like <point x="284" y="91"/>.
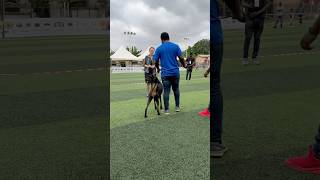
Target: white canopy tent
<point x="122" y="57"/>
<point x="122" y="54"/>
<point x="144" y="54"/>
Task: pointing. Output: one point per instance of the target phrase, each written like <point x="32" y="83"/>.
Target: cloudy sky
<point x="148" y="18"/>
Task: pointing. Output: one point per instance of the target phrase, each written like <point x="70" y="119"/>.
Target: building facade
<point x="56" y="8"/>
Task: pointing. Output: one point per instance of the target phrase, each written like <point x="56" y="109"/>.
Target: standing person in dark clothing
<point x="280" y="11"/>
<point x="311" y="162"/>
<point x="292" y="16"/>
<point x="190" y="65"/>
<point x="255" y="16"/>
<point x="301" y="13"/>
<point x="217" y="149"/>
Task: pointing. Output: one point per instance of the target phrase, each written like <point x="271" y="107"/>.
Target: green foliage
<point x="134" y="50"/>
<point x="201" y="47"/>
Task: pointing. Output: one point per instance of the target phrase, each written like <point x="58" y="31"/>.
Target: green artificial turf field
<point x="271" y="113"/>
<point x="171" y="146"/>
<point x="53" y="113"/>
<point x="53" y="108"/>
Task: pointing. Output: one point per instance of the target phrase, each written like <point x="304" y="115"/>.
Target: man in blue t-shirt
<point x="167" y="53"/>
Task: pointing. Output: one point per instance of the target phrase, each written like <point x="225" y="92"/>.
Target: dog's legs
<point x="148" y="103"/>
<point x="160" y="102"/>
<point x="156" y="103"/>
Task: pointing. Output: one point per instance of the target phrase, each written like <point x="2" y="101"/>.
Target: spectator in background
<point x="292" y="16"/>
<point x="301" y="13"/>
<point x="280" y="11"/>
<point x="256" y="11"/>
<point x="190" y="65"/>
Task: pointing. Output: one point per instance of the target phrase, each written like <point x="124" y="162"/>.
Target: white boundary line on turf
<point x="8" y="74"/>
<point x="57" y="72"/>
<point x="143" y="83"/>
<point x="71" y="71"/>
<point x="284" y="54"/>
<point x="103" y="68"/>
<point x="292" y="54"/>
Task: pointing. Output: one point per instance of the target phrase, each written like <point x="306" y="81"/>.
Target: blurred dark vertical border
<point x="108" y="88"/>
<point x="54" y="89"/>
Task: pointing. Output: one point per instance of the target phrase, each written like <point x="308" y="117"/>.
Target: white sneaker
<point x="178" y="109"/>
<point x="245" y="61"/>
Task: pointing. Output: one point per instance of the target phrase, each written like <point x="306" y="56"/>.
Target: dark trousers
<point x="188" y="76"/>
<point x="300" y="19"/>
<point x="168" y="82"/>
<point x="216" y="99"/>
<point x="279" y="20"/>
<point x="316" y="146"/>
<point x="254" y="27"/>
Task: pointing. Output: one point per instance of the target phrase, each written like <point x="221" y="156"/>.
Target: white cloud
<point x="148" y="18"/>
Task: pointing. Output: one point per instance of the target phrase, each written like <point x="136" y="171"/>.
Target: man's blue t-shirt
<point x="167" y="53"/>
<point x="215" y="24"/>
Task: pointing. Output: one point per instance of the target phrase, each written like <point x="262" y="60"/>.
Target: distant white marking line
<point x="8" y="74"/>
<point x="286" y="54"/>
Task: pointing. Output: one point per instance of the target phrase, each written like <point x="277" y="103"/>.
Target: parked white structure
<point x="123" y="58"/>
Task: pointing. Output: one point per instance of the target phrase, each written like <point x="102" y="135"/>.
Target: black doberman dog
<point x="155" y="93"/>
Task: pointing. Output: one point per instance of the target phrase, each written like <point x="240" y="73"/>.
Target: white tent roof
<point x="144" y="54"/>
<point x="123" y="55"/>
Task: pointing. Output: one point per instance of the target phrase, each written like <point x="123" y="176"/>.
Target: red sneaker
<point x="205" y="113"/>
<point x="308" y="163"/>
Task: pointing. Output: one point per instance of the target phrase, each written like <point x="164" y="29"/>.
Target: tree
<point x="201" y="47"/>
<point x="134" y="50"/>
<point x="187" y="52"/>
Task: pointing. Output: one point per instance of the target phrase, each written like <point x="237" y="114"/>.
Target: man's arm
<point x="181" y="59"/>
<point x="156" y="58"/>
<point x="311" y="35"/>
<point x="179" y="55"/>
<point x="235" y="7"/>
<point x="157" y="65"/>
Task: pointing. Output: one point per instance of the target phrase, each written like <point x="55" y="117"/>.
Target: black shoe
<point x="256" y="61"/>
<point x="217" y="150"/>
